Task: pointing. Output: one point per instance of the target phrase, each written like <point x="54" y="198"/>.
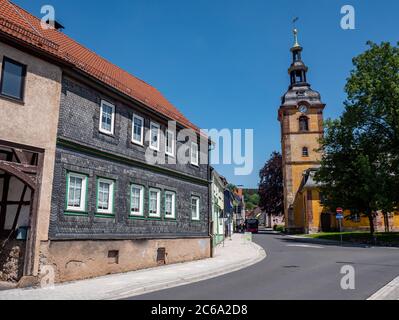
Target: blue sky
<point x="224" y="63"/>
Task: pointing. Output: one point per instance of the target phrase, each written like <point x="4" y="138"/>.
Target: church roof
<point x="298" y="94"/>
<point x="309" y="181"/>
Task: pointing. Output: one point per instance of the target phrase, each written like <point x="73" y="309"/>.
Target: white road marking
<point x="304" y="246"/>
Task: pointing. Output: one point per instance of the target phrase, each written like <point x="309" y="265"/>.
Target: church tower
<point x="301" y="119"/>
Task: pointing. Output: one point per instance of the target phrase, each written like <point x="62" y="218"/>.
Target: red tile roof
<point x="20" y="24"/>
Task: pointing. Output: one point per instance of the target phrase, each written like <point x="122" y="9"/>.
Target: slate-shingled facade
<point x="94" y="169"/>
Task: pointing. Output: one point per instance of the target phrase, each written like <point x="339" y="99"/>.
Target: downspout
<point x="210" y="226"/>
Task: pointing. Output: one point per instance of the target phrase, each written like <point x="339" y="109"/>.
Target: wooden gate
<point x="20" y="176"/>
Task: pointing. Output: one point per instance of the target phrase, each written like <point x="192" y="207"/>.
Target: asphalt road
<point x="295" y="270"/>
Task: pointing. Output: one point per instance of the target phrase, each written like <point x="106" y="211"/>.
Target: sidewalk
<point x="389" y="292"/>
<point x="237" y="254"/>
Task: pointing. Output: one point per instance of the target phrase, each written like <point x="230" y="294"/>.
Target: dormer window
<point x="303" y="123"/>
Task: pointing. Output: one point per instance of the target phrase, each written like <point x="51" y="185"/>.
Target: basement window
<point x="13" y="79"/>
<point x="161" y="256"/>
<point x="113" y="257"/>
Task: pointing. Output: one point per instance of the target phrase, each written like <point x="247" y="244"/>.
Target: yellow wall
<point x="317" y="209"/>
<point x="396" y="221"/>
<point x="299" y="211"/>
<point x="349" y="225"/>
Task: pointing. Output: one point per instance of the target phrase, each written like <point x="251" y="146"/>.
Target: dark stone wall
<point x="91" y="226"/>
<point x="79" y="122"/>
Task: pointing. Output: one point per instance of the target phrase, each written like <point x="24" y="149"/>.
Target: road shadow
<point x="311" y="241"/>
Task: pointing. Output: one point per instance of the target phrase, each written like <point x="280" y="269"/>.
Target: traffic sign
<point x="340" y="211"/>
<point x="339" y="216"/>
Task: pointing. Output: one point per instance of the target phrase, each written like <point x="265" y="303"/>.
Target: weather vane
<point x="294" y="21"/>
<point x="296" y="44"/>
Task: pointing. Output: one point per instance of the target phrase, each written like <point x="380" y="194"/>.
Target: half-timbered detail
<point x="20" y="178"/>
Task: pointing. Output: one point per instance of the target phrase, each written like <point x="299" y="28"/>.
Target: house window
<point x="154" y="136"/>
<point x="303" y="123"/>
<point x="155" y="203"/>
<point x="305" y="152"/>
<point x="76" y="192"/>
<point x="107" y="117"/>
<point x="137" y="201"/>
<point x="170" y="143"/>
<point x="194" y="153"/>
<point x="105" y="196"/>
<point x="13" y="79"/>
<point x="170" y="205"/>
<point x="138" y="130"/>
<point x="195" y="210"/>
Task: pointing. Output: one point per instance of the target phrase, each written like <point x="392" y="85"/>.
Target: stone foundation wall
<point x="12" y="260"/>
<point x="76" y="260"/>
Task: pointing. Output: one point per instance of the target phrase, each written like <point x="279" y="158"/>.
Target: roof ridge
<point x="80" y="44"/>
<point x="109" y="73"/>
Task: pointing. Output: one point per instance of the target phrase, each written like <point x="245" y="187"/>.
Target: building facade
<point x="29" y="108"/>
<point x="301" y="119"/>
<point x="218" y="215"/>
<point x="100" y="152"/>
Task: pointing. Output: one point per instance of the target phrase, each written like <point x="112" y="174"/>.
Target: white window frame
<point x="154" y="124"/>
<point x="103" y="102"/>
<point x="173" y="215"/>
<point x="196" y="160"/>
<point x="158" y="213"/>
<point x="141" y="142"/>
<point x="173" y="153"/>
<point x="83" y="196"/>
<point x="110" y="209"/>
<point x="197" y="214"/>
<point x="141" y="212"/>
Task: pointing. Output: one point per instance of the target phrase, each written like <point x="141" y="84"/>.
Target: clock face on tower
<point x="302" y="108"/>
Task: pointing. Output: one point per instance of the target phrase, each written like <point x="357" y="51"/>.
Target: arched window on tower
<point x="303" y="123"/>
<point x="305" y="152"/>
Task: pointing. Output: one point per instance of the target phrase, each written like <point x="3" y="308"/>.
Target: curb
<point x="389" y="292"/>
<point x="261" y="255"/>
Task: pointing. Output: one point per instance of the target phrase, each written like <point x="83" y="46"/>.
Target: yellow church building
<point x="301" y="119"/>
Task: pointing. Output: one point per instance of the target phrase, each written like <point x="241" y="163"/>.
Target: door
<point x="326" y="222"/>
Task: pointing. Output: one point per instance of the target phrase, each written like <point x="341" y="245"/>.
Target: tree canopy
<point x="271" y="189"/>
<point x="359" y="168"/>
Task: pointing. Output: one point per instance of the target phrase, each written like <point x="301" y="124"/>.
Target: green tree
<point x="251" y="198"/>
<point x="359" y="169"/>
